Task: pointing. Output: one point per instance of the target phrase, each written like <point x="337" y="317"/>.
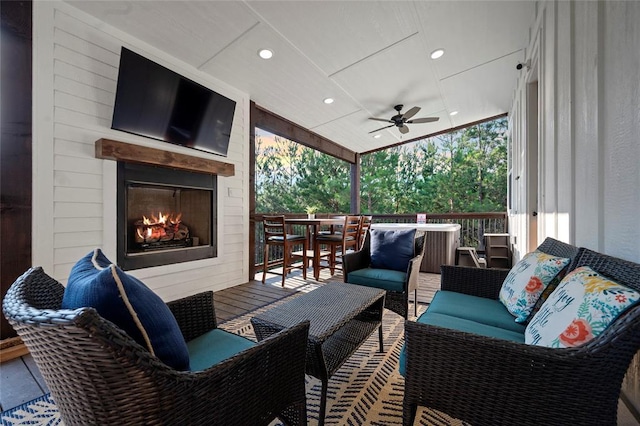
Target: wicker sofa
<point x="496" y="379"/>
<point x="98" y="374"/>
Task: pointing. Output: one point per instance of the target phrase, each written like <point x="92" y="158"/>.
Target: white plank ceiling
<point x="367" y="55"/>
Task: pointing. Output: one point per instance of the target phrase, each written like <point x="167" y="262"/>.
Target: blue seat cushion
<point x="392" y="249"/>
<point x="385" y="279"/>
<point x="125" y="301"/>
<point x="461" y="324"/>
<point x="479" y="309"/>
<point x="215" y="346"/>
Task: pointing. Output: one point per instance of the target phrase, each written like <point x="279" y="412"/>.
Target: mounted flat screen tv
<point x="158" y="103"/>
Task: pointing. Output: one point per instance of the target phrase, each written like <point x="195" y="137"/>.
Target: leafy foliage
<point x="462" y="171"/>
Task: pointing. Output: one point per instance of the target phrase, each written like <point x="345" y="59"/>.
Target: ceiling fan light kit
<point x="401" y="120"/>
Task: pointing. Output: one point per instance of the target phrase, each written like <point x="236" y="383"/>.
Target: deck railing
<point x="473" y="228"/>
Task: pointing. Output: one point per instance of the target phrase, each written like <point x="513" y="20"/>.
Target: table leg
<point x="316" y="254"/>
<point x="379" y="309"/>
<point x="323" y="402"/>
<point x="307" y="246"/>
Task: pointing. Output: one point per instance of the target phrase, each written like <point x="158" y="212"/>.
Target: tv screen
<point x="158" y="103"/>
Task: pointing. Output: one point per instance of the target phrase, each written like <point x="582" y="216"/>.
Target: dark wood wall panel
<point x="15" y="146"/>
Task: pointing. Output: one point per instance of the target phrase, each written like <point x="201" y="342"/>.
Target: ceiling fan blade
<point x="382" y="128"/>
<point x="386" y="120"/>
<point x="403" y="129"/>
<point x="413" y="111"/>
<point x="423" y="120"/>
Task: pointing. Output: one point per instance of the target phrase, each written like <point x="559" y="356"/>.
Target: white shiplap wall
<point x="75" y="66"/>
<point x="589" y="126"/>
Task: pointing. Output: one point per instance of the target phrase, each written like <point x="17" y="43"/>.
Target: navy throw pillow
<point x="125" y="301"/>
<point x="392" y="249"/>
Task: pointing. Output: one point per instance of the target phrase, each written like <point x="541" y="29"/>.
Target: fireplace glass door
<point x="164" y="216"/>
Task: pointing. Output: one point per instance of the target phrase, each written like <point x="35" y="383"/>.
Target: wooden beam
<point x="120" y="151"/>
<point x="252" y="190"/>
<point x="280" y="126"/>
<point x="355" y="186"/>
<point x="12" y="348"/>
<point x="16" y="157"/>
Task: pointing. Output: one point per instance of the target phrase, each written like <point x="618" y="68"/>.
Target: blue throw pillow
<point x="392" y="249"/>
<point x="125" y="301"/>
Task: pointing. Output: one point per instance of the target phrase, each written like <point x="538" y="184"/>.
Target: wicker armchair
<point x="396" y="301"/>
<point x="97" y="374"/>
<point x="484" y="380"/>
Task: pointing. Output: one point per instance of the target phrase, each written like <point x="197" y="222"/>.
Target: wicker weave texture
<point x="342" y="317"/>
<point x="98" y="375"/>
<point x="483" y="380"/>
<point x="342" y="313"/>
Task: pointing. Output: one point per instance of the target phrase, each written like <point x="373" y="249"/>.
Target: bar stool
<point x="365" y="224"/>
<point x="345" y="240"/>
<point x="275" y="234"/>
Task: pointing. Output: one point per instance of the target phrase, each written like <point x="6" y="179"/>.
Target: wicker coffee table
<point x="342" y="317"/>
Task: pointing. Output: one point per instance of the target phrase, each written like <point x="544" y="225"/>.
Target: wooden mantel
<point x="121" y="151"/>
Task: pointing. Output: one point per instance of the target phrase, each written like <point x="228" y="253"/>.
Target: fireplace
<point x="165" y="216"/>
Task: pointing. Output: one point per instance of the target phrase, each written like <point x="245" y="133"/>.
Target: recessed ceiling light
<point x="328" y="101"/>
<point x="437" y="53"/>
<point x="265" y="53"/>
<point x="378" y="136"/>
<point x="452" y="113"/>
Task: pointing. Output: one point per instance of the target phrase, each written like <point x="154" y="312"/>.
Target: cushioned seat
<point x="389" y="260"/>
<point x="469" y="326"/>
<point x="462" y="324"/>
<point x="215" y="346"/>
<point x="386" y="279"/>
<point x="479" y="309"/>
<point x="99" y="374"/>
<point x="571" y="364"/>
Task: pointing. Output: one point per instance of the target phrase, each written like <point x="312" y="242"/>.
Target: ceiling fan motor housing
<point x="398" y="119"/>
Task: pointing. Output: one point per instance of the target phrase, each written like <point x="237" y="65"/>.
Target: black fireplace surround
<point x="187" y="200"/>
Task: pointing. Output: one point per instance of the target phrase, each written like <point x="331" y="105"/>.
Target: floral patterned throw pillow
<point x="582" y="306"/>
<point x="527" y="280"/>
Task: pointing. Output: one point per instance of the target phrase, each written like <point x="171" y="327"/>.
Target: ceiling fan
<point x="401" y="120"/>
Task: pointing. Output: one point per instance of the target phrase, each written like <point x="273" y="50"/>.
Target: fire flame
<point x="161" y="219"/>
<point x="158" y="227"/>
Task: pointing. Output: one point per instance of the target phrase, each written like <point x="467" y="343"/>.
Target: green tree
<point x="378" y="180"/>
<point x="289" y="177"/>
<point x="461" y="171"/>
<point x="324" y="181"/>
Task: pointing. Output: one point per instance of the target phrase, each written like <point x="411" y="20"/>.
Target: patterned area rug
<point x="40" y="411"/>
<point x="366" y="390"/>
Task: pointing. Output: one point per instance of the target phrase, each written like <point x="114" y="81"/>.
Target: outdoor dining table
<point x="313" y="227"/>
